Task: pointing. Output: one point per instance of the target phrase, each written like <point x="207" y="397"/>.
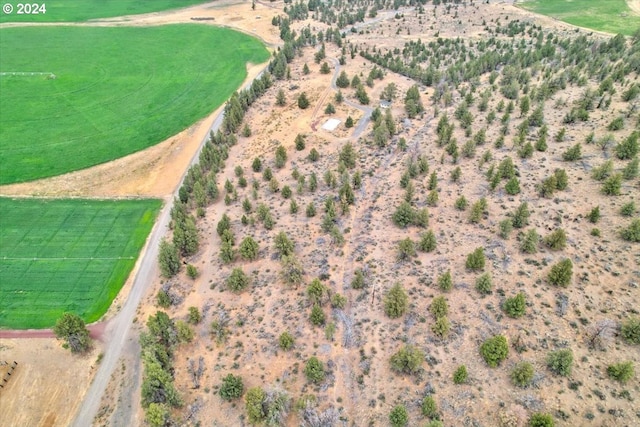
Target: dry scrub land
<point x="239" y="331"/>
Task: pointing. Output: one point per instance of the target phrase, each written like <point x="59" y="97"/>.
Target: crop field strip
<point x="613" y="16"/>
<point x="75" y="10"/>
<point x="102" y="105"/>
<point x="67" y="255"/>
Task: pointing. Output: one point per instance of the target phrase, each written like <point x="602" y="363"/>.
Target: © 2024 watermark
<point x="24" y="8"/>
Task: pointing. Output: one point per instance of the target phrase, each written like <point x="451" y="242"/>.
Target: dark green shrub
<point x="286" y="341"/>
<point x="630" y="330"/>
<point x="396" y="301"/>
<point x="522" y="374"/>
<point x="358" y="280"/>
<point x="573" y="153"/>
<point x="429" y="408"/>
<point x="632" y="232"/>
<point x="476" y="260"/>
<point x="561" y="273"/>
<point x="427" y="242"/>
<point x="628" y="209"/>
<point x="317" y="316"/>
<point x="461" y="203"/>
<point x="616" y="124"/>
<point x="404" y="215"/>
<point x="483" y="284"/>
<point x="612" y="185"/>
<point x="460" y="375"/>
<point x="398" y="417"/>
<point x="541" y="420"/>
<point x="505" y="227"/>
<point x="406" y="249"/>
<point x="516" y="306"/>
<point x="512" y="187"/>
<point x="529" y="242"/>
<point x="249" y="248"/>
<point x="439" y="307"/>
<point x="194" y="316"/>
<point x="237" y="280"/>
<point x="494" y="350"/>
<point x="407" y="360"/>
<point x="231" y="387"/>
<point x="621" y="372"/>
<point x="556" y="240"/>
<point x="445" y="281"/>
<point x="441" y="327"/>
<point x="314" y="370"/>
<point x="594" y="215"/>
<point x="162" y="299"/>
<point x="521" y="216"/>
<point x="560" y="362"/>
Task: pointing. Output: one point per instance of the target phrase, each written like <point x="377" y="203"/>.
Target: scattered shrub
<point x="632" y="232"/>
<point x="317" y="316"/>
<point x="621" y="372"/>
<point x="407" y="360"/>
<point x="541" y="420"/>
<point x="286" y="341"/>
<point x="314" y="370"/>
<point x="398" y="417"/>
<point x="561" y="272"/>
<point x="232" y="387"/>
<point x="560" y="362"/>
<point x="476" y="260"/>
<point x="237" y="280"/>
<point x="630" y="330"/>
<point x="522" y="374"/>
<point x="529" y="241"/>
<point x="460" y="375"/>
<point x="628" y="209"/>
<point x="396" y="301"/>
<point x="427" y="242"/>
<point x="483" y="284"/>
<point x="429" y="408"/>
<point x="439" y="307"/>
<point x="441" y="327"/>
<point x="445" y="281"/>
<point x="516" y="306"/>
<point x="556" y="240"/>
<point x="594" y="215"/>
<point x="494" y="350"/>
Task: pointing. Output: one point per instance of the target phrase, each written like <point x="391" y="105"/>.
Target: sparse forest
<point x="462" y="249"/>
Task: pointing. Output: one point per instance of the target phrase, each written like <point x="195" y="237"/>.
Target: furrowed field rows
<point x="67" y="255"/>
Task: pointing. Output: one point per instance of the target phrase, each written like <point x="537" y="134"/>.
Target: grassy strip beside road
<point x="67" y="255"/>
<point x="112" y="92"/>
<point x="82" y="10"/>
<point x="612" y="16"/>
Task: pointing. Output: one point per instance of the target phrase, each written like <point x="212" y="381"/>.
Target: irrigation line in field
<point x="63" y="258"/>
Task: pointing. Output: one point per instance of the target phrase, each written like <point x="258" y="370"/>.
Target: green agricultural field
<point x="67" y="255"/>
<point x="82" y="10"/>
<point x="107" y="92"/>
<point x="612" y="16"/>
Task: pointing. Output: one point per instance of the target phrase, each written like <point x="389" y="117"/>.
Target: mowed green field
<point x="82" y="10"/>
<point x="612" y="16"/>
<point x="67" y="255"/>
<point x="115" y="91"/>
